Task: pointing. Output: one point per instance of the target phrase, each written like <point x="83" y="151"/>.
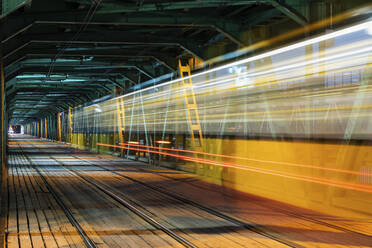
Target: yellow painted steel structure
<point x="301" y="136"/>
<point x="121" y="118"/>
<point x="301" y="174"/>
<point x="70" y="124"/>
<point x="195" y="63"/>
<point x="59" y="131"/>
<point x="45" y="128"/>
<point x="41" y="128"/>
<point x="191" y="106"/>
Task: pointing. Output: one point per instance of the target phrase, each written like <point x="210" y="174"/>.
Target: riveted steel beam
<point x="290" y="12"/>
<point x="119" y="7"/>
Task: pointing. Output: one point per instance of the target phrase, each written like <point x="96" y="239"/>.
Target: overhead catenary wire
<point x="87" y="19"/>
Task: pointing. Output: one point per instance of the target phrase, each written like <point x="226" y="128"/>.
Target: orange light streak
<point x="255" y="160"/>
<point x="323" y="181"/>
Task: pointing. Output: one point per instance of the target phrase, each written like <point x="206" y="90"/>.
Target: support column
<point x="45" y="128"/>
<point x="2" y="99"/>
<point x="37" y="128"/>
<point x="59" y="132"/>
<point x="41" y="128"/>
<point x="70" y="124"/>
<point x="3" y="138"/>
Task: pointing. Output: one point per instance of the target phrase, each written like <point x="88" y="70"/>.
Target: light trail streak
<point x="323" y="92"/>
<point x="314" y="26"/>
<point x="302" y="92"/>
<point x="311" y="179"/>
<point x="362" y="26"/>
<point x="253" y="160"/>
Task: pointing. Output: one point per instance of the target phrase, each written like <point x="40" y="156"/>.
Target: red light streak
<point x="318" y="180"/>
<point x="255" y="160"/>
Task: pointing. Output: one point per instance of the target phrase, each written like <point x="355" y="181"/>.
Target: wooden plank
<point x="23" y="231"/>
<point x="261" y="211"/>
<point x="84" y="222"/>
<point x="33" y="224"/>
<point x="12" y="226"/>
<point x="53" y="215"/>
<point x="41" y="204"/>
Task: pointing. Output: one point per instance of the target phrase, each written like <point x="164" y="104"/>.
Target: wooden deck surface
<point x="203" y="214"/>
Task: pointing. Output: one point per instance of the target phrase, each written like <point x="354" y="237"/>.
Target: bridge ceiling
<point x="58" y="53"/>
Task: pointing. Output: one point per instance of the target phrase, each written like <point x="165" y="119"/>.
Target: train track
<point x="249" y="226"/>
<point x="252" y="227"/>
<point x="278" y="209"/>
<point x="135" y="207"/>
<point x="88" y="242"/>
<point x="104" y="189"/>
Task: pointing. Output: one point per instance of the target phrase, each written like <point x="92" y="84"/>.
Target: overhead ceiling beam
<point x="290" y="12"/>
<point x="122" y="70"/>
<point x="118" y="7"/>
<point x="77" y="18"/>
<point x="166" y="60"/>
<point x="106" y="38"/>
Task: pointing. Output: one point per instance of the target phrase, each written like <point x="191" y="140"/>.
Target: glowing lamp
<point x="162" y="142"/>
<point x="133" y="142"/>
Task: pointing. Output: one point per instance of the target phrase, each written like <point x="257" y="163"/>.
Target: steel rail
<point x="123" y="202"/>
<point x="134" y="209"/>
<point x="88" y="242"/>
<point x="252" y="227"/>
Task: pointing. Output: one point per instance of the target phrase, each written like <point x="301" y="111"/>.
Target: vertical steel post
<point x="121" y="118"/>
<point x="2" y="113"/>
<point x="131" y="122"/>
<point x="41" y="128"/>
<point x="70" y="122"/>
<point x="59" y="127"/>
<point x="45" y="128"/>
<point x="4" y="171"/>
